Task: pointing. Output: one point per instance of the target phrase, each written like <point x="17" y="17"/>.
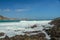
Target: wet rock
<point x="34" y="26"/>
<point x="17" y="37"/>
<point x="56" y="21"/>
<point x="2" y="34"/>
<point x="17" y="30"/>
<point x="55" y="30"/>
<point x="39" y="36"/>
<point x="48" y="31"/>
<point x="6" y="38"/>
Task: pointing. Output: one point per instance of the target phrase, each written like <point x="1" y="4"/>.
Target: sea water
<point x="17" y="28"/>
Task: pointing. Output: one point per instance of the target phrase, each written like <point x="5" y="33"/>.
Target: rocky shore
<point x="39" y="36"/>
<point x="53" y="32"/>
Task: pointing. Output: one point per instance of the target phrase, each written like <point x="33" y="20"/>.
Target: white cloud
<point x="15" y="10"/>
<point x="6" y="10"/>
<point x="20" y="10"/>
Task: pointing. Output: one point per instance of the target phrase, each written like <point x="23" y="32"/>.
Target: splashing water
<point x="17" y="28"/>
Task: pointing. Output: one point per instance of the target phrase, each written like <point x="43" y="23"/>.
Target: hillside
<point x="6" y="18"/>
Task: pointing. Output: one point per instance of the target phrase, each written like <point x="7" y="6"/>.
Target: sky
<point x="33" y="9"/>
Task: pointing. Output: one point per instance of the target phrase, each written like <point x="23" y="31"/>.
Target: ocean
<point x="18" y="28"/>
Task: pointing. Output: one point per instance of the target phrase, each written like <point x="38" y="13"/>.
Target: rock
<point x="40" y="36"/>
<point x="2" y="34"/>
<point x="55" y="30"/>
<point x="34" y="26"/>
<point x="17" y="37"/>
<point x="56" y="21"/>
<point x="6" y="38"/>
<point x="48" y="31"/>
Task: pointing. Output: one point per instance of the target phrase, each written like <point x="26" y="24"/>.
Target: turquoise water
<point x="9" y="20"/>
<point x="25" y="20"/>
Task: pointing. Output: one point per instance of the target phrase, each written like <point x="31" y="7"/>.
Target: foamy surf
<point x="10" y="29"/>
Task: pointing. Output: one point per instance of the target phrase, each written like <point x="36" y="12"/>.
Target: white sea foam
<point x="22" y="26"/>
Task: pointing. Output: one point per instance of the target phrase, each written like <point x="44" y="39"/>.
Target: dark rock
<point x="48" y="31"/>
<point x="55" y="30"/>
<point x="40" y="36"/>
<point x="2" y="34"/>
<point x="6" y="38"/>
<point x="34" y="26"/>
<point x="56" y="21"/>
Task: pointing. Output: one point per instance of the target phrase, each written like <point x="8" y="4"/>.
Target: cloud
<point x="6" y="10"/>
<point x="14" y="10"/>
<point x="20" y="10"/>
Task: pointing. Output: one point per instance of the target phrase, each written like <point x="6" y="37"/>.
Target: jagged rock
<point x="55" y="30"/>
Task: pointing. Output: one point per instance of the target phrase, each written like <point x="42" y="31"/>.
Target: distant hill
<point x="6" y="18"/>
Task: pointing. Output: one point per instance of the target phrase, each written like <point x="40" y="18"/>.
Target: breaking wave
<point x="18" y="28"/>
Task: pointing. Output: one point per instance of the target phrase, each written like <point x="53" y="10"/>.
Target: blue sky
<point x="35" y="9"/>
